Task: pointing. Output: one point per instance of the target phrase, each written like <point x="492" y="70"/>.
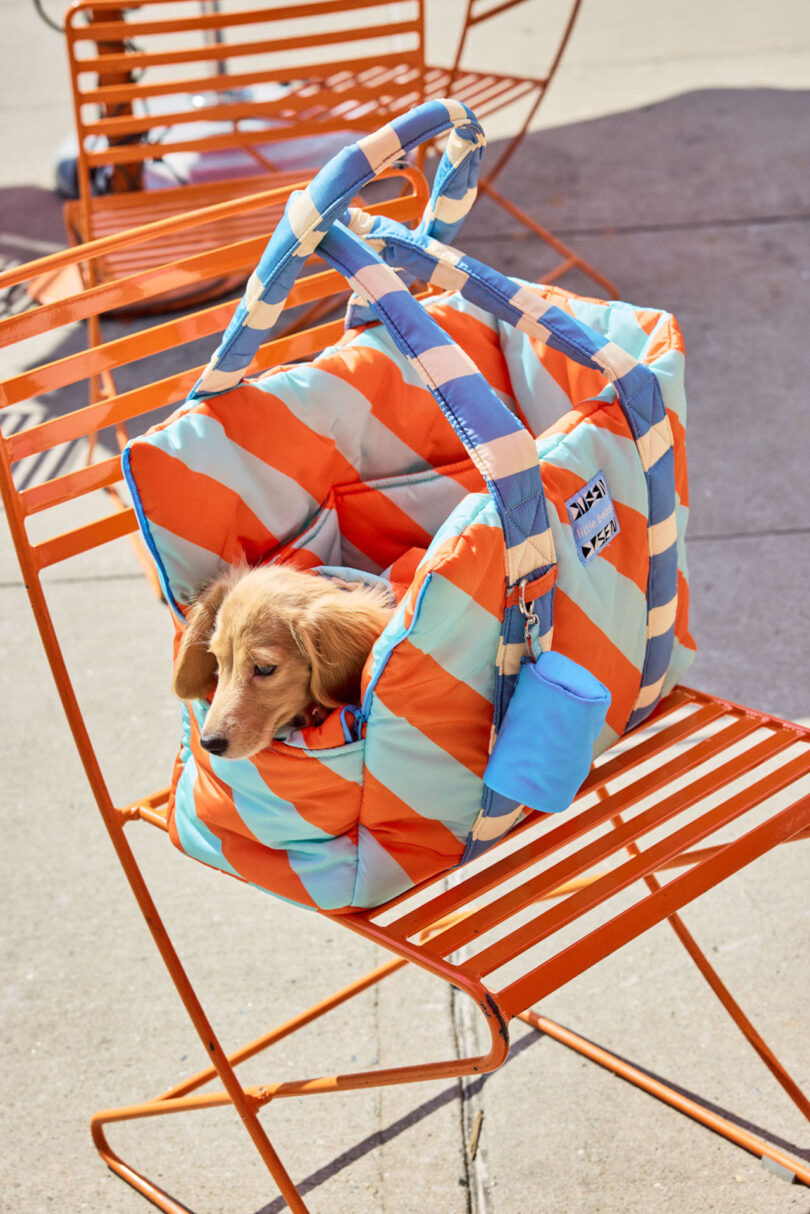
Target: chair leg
<point x="571" y="260"/>
<point x="249" y="1101"/>
<point x="667" y="1094"/>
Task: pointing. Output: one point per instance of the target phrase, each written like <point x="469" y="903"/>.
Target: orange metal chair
<point x="702" y="790"/>
<point x="280" y="83"/>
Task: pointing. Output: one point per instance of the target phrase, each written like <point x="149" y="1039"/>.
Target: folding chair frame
<point x="698" y="754"/>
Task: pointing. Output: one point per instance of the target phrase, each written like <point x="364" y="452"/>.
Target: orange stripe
<point x="320" y="795"/>
<point x="605" y="416"/>
<point x="628" y="551"/>
<point x="266" y="867"/>
<point x="417" y="688"/>
<point x="265" y="426"/>
<point x="422" y="846"/>
<point x="409" y="411"/>
<point x="376" y="525"/>
<point x="576" y="636"/>
<point x="682" y="614"/>
<point x="198" y="508"/>
<point x="577" y="382"/>
<point x="476" y="565"/>
<point x="403" y="571"/>
<point x="669" y="337"/>
<point x="681" y="473"/>
<point x="478" y="341"/>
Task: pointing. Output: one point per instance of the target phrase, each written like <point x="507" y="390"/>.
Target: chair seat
<point x="112" y="213"/>
<point x="704" y="785"/>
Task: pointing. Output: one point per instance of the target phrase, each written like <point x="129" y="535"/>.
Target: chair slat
<point x="539" y="982"/>
<point x="214" y="52"/>
<point x="82" y="539"/>
<point x="568" y="831"/>
<point x="71" y="485"/>
<point x="600" y="849"/>
<point x="110" y="31"/>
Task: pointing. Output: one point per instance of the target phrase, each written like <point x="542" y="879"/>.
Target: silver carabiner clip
<point x="531" y="621"/>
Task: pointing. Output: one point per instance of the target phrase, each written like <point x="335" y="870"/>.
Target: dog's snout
<point x="215" y="744"/>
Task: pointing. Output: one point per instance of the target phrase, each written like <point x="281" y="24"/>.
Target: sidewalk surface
<point x="673" y="152"/>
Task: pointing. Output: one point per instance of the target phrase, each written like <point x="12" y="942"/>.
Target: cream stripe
<point x="360" y="221"/>
<point x="443" y="363"/>
<point x="661" y="619"/>
<point x="444" y="252"/>
<point x="663" y="535"/>
<point x="253" y="290"/>
<point x="532" y="327"/>
<point x="381" y="147"/>
<point x="533" y="553"/>
<point x="493" y="827"/>
<point x="449" y="278"/>
<point x="530" y="302"/>
<point x="302" y="214"/>
<point x="648" y="695"/>
<point x="456" y="148"/>
<point x="376" y="281"/>
<point x="263" y="315"/>
<point x="451" y="210"/>
<point x="655" y="443"/>
<point x="614" y="360"/>
<point x="509" y="656"/>
<point x="507" y="455"/>
<point x="218" y="381"/>
<point x="455" y="109"/>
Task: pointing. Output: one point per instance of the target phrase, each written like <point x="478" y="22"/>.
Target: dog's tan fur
<point x="315" y="633"/>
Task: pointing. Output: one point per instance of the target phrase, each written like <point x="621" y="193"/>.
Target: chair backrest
<point x="225" y="77"/>
<point x="46" y="426"/>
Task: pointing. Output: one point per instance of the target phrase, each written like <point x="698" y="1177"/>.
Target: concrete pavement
<point x="673" y="152"/>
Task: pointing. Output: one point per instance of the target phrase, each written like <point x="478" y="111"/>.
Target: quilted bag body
<point x="510" y="458"/>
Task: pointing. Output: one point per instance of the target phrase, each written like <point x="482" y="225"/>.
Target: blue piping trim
<point x="143" y="523"/>
<point x="362" y="716"/>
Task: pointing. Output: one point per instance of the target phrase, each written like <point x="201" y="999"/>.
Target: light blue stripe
<point x="188" y="566"/>
<point x="202" y="444"/>
<point x="327" y="869"/>
<point x="379" y="877"/>
<point x="590" y="449"/>
<point x="420" y="773"/>
<point x="460" y="634"/>
<point x="333" y="408"/>
<point x="271" y="819"/>
<point x="195" y="838"/>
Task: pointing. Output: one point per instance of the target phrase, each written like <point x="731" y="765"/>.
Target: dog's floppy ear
<point x="336" y="636"/>
<point x="195" y="668"/>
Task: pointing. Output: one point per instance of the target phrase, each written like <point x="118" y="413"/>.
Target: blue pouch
<point x="545" y="745"/>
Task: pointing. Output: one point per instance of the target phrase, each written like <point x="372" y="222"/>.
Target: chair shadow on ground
<point x="470" y="1089"/>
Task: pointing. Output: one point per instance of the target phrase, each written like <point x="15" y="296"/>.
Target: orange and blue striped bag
<point x="510" y="457"/>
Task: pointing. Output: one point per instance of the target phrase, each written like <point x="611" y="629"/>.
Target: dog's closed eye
<point x="264" y="672"/>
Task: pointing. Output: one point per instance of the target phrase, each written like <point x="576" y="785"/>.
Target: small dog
<point x="278" y="647"/>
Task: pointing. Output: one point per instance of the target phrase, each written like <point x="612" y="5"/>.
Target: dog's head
<point x="277" y="647"/>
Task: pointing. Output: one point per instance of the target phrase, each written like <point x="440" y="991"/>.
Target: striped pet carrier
<point x="509" y="457"/>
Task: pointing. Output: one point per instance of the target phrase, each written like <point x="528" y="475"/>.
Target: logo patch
<point x="593" y="518"/>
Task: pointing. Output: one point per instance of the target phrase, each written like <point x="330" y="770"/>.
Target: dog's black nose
<point x="215" y="744"/>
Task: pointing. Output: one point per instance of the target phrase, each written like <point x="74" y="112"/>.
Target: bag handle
<point x="500" y="443"/>
<point x="502" y="449"/>
<point x="309" y="214"/>
<point x="637" y="390"/>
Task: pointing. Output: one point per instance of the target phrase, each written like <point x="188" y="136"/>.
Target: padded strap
<point x="309" y="214"/>
<point x="501" y="448"/>
<point x="636" y="387"/>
